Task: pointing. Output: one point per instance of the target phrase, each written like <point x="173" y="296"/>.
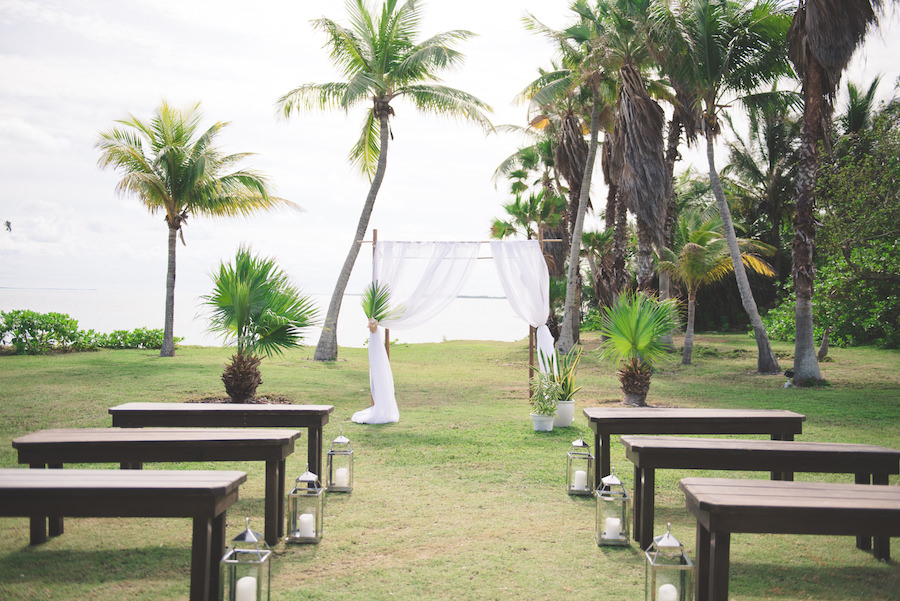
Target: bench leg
<point x="217" y="544"/>
<point x="314" y="451"/>
<point x="201" y="559"/>
<point x="281" y="497"/>
<point x="55" y="523"/>
<point x="603" y="458"/>
<point x="648" y="507"/>
<point x="882" y="544"/>
<point x="701" y="583"/>
<point x="272" y="517"/>
<point x="37" y="530"/>
<point x="863" y="542"/>
<point x="719" y="549"/>
<point x="638" y="495"/>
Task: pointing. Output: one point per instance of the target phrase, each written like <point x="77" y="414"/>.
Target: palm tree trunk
<point x="665" y="282"/>
<point x="567" y="335"/>
<point x="766" y="362"/>
<point x="689" y="329"/>
<point x="327" y="347"/>
<point x="644" y="256"/>
<point x="806" y="365"/>
<point x="168" y="345"/>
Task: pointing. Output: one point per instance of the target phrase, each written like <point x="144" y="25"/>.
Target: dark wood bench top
<point x="131" y="447"/>
<point x="674" y="420"/>
<point x="868" y="463"/>
<point x="759" y="455"/>
<point x="220" y="415"/>
<point x="104" y="445"/>
<point x="723" y="506"/>
<point x="604" y="421"/>
<point x="231" y="415"/>
<point x="201" y="495"/>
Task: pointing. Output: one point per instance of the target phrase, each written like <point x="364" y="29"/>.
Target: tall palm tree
<point x="727" y="47"/>
<point x="174" y="167"/>
<point x="254" y="305"/>
<point x="382" y="60"/>
<point x="823" y="36"/>
<point x="699" y="256"/>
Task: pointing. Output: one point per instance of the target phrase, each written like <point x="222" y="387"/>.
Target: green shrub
<point x="32" y="333"/>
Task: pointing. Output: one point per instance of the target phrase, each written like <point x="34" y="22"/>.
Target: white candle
<point x="245" y="590"/>
<point x="306" y="526"/>
<point x="579" y="480"/>
<point x="342" y="477"/>
<point x="612" y="528"/>
<point x="667" y="592"/>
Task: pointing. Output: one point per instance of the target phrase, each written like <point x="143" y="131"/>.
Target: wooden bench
<point x="723" y="506"/>
<point x="203" y="496"/>
<point x="604" y="421"/>
<point x="131" y="447"/>
<point x="230" y="415"/>
<point x="870" y="464"/>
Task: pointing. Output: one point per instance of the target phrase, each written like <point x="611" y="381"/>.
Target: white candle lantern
<point x="579" y="469"/>
<point x="669" y="573"/>
<point x="305" y="510"/>
<point x="244" y="569"/>
<point x="339" y="466"/>
<point x="613" y="512"/>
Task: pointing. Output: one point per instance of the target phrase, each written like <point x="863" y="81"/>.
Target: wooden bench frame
<point x="132" y="447"/>
<point x="604" y="421"/>
<point x="230" y="415"/>
<point x="203" y="496"/>
<point x="869" y="464"/>
<point x="723" y="506"/>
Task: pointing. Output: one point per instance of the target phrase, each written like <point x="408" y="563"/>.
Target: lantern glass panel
<point x="339" y="470"/>
<point x="669" y="572"/>
<point x="613" y="521"/>
<point x="305" y="511"/>
<point x="579" y="469"/>
<point x="244" y="575"/>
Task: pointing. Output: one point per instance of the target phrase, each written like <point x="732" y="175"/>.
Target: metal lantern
<point x="669" y="572"/>
<point x="339" y="470"/>
<point x="305" y="510"/>
<point x="579" y="469"/>
<point x="613" y="512"/>
<point x="244" y="569"/>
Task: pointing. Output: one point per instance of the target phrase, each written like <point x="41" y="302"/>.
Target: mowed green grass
<point x="460" y="499"/>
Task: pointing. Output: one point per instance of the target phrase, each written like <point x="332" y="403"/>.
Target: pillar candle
<point x="342" y="477"/>
<point x="667" y="592"/>
<point x="245" y="589"/>
<point x="306" y="526"/>
<point x="612" y="527"/>
<point x="579" y="480"/>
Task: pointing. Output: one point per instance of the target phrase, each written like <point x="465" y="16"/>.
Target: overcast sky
<point x="69" y="68"/>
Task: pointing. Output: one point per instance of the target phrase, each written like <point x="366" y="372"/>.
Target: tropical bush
<point x="33" y="333"/>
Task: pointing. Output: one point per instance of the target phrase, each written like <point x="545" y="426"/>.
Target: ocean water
<point x="467" y="318"/>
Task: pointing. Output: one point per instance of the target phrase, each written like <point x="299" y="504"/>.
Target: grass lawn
<point x="459" y="500"/>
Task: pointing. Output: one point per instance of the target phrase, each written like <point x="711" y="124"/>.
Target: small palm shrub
<point x="635" y="328"/>
<point x="254" y="306"/>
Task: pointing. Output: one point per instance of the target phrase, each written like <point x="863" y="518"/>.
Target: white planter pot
<point x="542" y="423"/>
<point x="565" y="414"/>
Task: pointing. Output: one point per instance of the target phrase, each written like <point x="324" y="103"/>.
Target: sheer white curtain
<point x="424" y="277"/>
<point x="526" y="283"/>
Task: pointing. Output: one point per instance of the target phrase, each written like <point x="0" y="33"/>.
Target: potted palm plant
<point x="634" y="329"/>
<point x="545" y="394"/>
<point x="255" y="307"/>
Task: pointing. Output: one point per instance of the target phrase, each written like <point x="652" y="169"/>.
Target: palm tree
<point x="381" y="60"/>
<point x="860" y="108"/>
<point x="634" y="329"/>
<point x="699" y="256"/>
<point x="172" y="166"/>
<point x="823" y="36"/>
<point x="725" y="47"/>
<point x="254" y="305"/>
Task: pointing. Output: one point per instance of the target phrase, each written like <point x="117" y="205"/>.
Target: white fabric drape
<point x="526" y="283"/>
<point x="423" y="277"/>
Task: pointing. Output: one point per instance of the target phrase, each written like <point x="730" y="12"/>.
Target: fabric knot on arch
<point x="425" y="277"/>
